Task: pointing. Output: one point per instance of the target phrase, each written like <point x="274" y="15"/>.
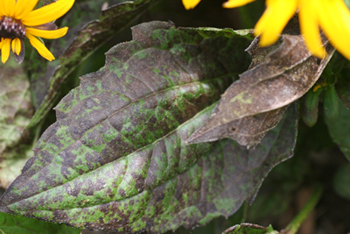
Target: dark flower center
<point x="11" y="28"/>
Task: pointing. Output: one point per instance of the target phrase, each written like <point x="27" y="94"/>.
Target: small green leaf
<point x="311" y="99"/>
<point x="309" y="112"/>
<point x="330" y="102"/>
<point x="14" y="224"/>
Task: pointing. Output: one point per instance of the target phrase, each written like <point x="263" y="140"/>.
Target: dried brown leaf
<point x="249" y="107"/>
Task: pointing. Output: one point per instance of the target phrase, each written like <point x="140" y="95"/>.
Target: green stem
<point x="245" y="212"/>
<point x="294" y="226"/>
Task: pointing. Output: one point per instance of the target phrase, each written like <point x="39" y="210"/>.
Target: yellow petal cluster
<point x="33" y="21"/>
<point x="332" y="16"/>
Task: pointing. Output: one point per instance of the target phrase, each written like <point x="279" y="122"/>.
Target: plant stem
<point x="245" y="212"/>
<point x="294" y="226"/>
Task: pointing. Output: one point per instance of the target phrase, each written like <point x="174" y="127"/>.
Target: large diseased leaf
<point x="88" y="30"/>
<point x="165" y="184"/>
<point x="274" y="81"/>
<point x="148" y="88"/>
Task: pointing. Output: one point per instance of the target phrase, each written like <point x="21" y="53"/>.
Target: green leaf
<point x="339" y="129"/>
<point x="347" y="3"/>
<point x="310" y="106"/>
<point x="273" y="81"/>
<point x="330" y="102"/>
<point x="148" y="88"/>
<point x="88" y="30"/>
<point x="14" y="224"/>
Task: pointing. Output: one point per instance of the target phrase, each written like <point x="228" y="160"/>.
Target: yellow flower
<point x="332" y="16"/>
<point x="19" y="20"/>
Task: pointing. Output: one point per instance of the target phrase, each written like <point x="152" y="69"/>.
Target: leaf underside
<point x="256" y="102"/>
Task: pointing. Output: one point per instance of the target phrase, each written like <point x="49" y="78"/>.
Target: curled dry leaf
<point x="248" y="131"/>
<point x="274" y="81"/>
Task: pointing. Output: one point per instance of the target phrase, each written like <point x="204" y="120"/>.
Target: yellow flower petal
<point x="47" y="13"/>
<point x="7" y="7"/>
<point x="334" y="21"/>
<point x="2" y="8"/>
<point x="272" y="23"/>
<point x="23" y="7"/>
<point x="48" y="34"/>
<point x="308" y="18"/>
<point x="236" y="3"/>
<point x="40" y="47"/>
<point x="344" y="18"/>
<point x="5" y="49"/>
<point x="190" y="4"/>
<point x="16" y="46"/>
<point x="11" y="6"/>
